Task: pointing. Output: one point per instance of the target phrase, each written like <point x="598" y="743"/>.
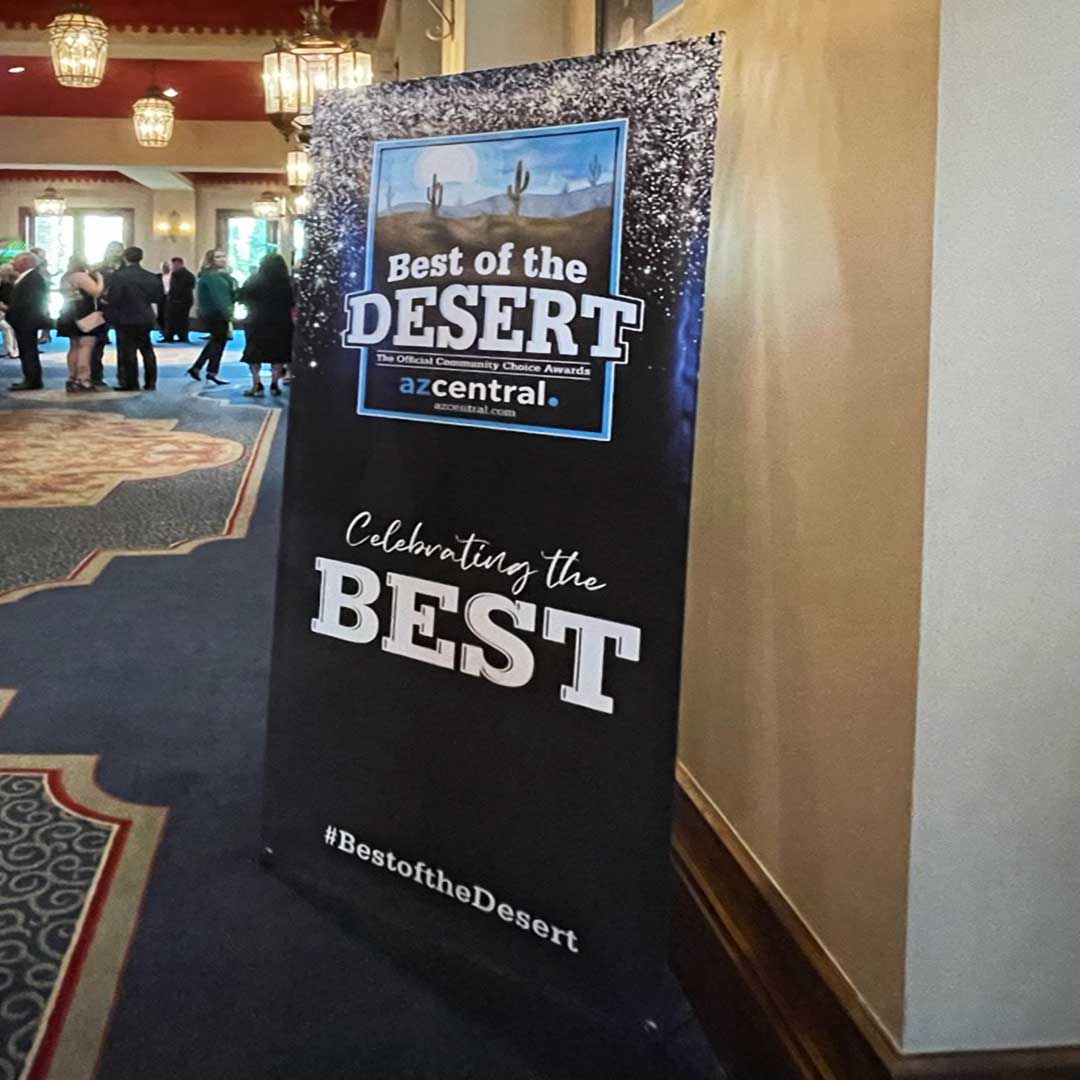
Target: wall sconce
<point x="173" y="227"/>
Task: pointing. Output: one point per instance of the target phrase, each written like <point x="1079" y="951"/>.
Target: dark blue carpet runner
<point x="159" y="665"/>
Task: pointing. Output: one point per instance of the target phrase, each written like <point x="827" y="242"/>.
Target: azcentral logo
<point x="493" y="391"/>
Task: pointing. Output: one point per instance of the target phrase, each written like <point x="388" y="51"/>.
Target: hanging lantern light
<point x="298" y="166"/>
<point x="281" y="87"/>
<point x="344" y="68"/>
<point x="301" y="204"/>
<point x="354" y="68"/>
<point x="153" y="115"/>
<point x="295" y="74"/>
<point x="50" y="203"/>
<point x="79" y="43"/>
<point x="316" y="54"/>
<point x="267" y="206"/>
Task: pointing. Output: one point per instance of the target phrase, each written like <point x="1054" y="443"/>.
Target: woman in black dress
<point x="81" y="288"/>
<point x="268" y="295"/>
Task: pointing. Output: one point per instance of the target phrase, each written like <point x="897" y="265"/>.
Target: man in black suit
<point x="133" y="292"/>
<point x="43" y="269"/>
<point x="178" y="302"/>
<point x="28" y="314"/>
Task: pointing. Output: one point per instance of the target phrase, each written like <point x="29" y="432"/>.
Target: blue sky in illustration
<point x="475" y="170"/>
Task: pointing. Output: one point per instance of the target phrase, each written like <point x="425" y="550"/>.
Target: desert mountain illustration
<point x="559" y="205"/>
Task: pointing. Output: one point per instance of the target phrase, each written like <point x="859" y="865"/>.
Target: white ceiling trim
<point x="156" y="179"/>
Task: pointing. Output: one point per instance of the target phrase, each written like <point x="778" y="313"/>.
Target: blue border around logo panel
<point x="618" y="183"/>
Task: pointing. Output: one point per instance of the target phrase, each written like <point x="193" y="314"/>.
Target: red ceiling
<point x="259" y="16"/>
<point x="257" y="179"/>
<point x="44" y="176"/>
<point x="209" y="90"/>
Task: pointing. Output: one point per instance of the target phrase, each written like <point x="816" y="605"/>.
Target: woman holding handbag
<point x="81" y="321"/>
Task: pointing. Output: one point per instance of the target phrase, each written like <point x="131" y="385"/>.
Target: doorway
<point x="78" y="232"/>
<point x="299" y="240"/>
<point x="245" y="239"/>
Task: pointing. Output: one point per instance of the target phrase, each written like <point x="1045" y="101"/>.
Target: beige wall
<point x="415" y="55"/>
<point x="494" y="33"/>
<point x="582" y="31"/>
<point x="803" y="604"/>
<point x="994" y="952"/>
<point x="199" y="207"/>
<point x="210" y="145"/>
<point x="803" y="607"/>
<point x="91" y="195"/>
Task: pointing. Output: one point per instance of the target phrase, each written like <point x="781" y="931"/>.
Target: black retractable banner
<point x="483" y="550"/>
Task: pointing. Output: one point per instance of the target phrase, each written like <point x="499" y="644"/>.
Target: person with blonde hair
<point x="112" y="261"/>
<point x="215" y="294"/>
<point x="80" y="321"/>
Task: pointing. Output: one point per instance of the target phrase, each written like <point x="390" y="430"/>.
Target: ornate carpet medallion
<point x="80" y="487"/>
<point x="74" y="863"/>
<point x="59" y="457"/>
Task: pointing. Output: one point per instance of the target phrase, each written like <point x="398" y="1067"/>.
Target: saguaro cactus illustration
<point x="517" y="189"/>
<point x="595" y="171"/>
<point x="435" y="194"/>
<point x="389" y="198"/>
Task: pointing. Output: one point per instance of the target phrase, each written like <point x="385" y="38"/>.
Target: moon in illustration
<point x="456" y="164"/>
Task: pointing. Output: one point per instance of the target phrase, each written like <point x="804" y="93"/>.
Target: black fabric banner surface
<point x="481" y="583"/>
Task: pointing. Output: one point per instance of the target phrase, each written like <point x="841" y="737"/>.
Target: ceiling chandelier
<point x="153" y="115"/>
<point x="50" y="203"/>
<point x="267" y="206"/>
<point x="296" y="72"/>
<point x="298" y="166"/>
<point x="79" y="43"/>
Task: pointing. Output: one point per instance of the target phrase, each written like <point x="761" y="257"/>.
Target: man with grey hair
<point x="28" y="314"/>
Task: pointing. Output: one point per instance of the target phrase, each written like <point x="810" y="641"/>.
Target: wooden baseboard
<point x="769" y="997"/>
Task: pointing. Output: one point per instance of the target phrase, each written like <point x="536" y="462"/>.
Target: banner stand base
<point x="617" y="1047"/>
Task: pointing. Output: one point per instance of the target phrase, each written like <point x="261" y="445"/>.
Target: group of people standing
<point x="120" y="294"/>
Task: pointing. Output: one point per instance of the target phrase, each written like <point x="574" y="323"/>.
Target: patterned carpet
<point x="47" y="464"/>
<point x="158" y="675"/>
<point x="74" y="864"/>
<point x="90" y="477"/>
